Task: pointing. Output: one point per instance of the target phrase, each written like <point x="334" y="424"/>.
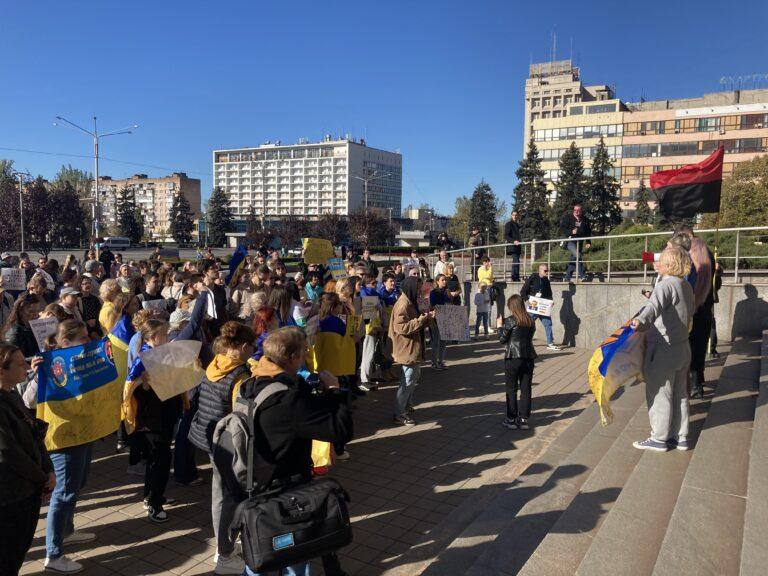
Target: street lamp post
<point x="96" y="207"/>
<point x="21" y="203"/>
<point x="370" y="178"/>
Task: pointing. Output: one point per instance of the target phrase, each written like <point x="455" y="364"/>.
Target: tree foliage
<point x="458" y="224"/>
<point x="69" y="223"/>
<point x="256" y="233"/>
<point x="532" y="196"/>
<point x="368" y="228"/>
<point x="9" y="207"/>
<point x="130" y="221"/>
<point x="570" y="186"/>
<point x="40" y="216"/>
<point x="331" y="227"/>
<point x="181" y="219"/>
<point x="81" y="181"/>
<point x="643" y="213"/>
<point x="484" y="212"/>
<point x="292" y="229"/>
<point x="602" y="200"/>
<point x="744" y="198"/>
<point x="218" y="217"/>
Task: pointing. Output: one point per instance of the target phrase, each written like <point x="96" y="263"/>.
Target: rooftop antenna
<point x="571" y="56"/>
<point x="554" y="44"/>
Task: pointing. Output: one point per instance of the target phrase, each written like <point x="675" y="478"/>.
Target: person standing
<point x="370" y="265"/>
<point x="537" y="285"/>
<point x="513" y="238"/>
<point x="516" y="333"/>
<point x="438" y="297"/>
<point x="442" y="264"/>
<point x="572" y="226"/>
<point x="405" y="331"/>
<point x="482" y="308"/>
<point x="474" y="242"/>
<point x="716" y="285"/>
<point x="26" y="471"/>
<point x="453" y="285"/>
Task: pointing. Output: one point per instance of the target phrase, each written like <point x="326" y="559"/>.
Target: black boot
<point x="697" y="386"/>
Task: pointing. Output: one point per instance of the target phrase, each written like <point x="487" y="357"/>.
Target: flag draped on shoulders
<point x="692" y="189"/>
<point x="120" y="337"/>
<point x="236" y="263"/>
<point x="78" y="394"/>
<point x="334" y="348"/>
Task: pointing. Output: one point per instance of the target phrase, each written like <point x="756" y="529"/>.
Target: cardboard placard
<point x="159" y="304"/>
<point x="14" y="279"/>
<point x="336" y="266"/>
<point x="316" y="250"/>
<point x="173" y="368"/>
<point x="453" y="322"/>
<point x="42" y="328"/>
<point x="540" y="306"/>
<point x="369" y="306"/>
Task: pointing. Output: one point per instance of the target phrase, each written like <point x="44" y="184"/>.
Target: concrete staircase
<point x="594" y="505"/>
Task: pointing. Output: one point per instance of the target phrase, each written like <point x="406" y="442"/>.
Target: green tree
<point x="643" y="213"/>
<point x="532" y="196"/>
<point x="458" y="224"/>
<point x="181" y="219"/>
<point x="570" y="185"/>
<point x="484" y="211"/>
<point x="9" y="207"/>
<point x="68" y="226"/>
<point x="602" y="200"/>
<point x="130" y="221"/>
<point x="82" y="182"/>
<point x="744" y="198"/>
<point x="40" y="215"/>
<point x="218" y="217"/>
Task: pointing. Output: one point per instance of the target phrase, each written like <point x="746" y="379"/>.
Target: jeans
<point x="223" y="507"/>
<point x="184" y="467"/>
<point x="574" y="249"/>
<point x="438" y="345"/>
<point x="481" y="317"/>
<point x="409" y="378"/>
<point x="295" y="570"/>
<point x="519" y="376"/>
<point x="546" y="321"/>
<point x="71" y="466"/>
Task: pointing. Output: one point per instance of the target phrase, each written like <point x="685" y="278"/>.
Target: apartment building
<point x="154" y="196"/>
<point x="309" y="179"/>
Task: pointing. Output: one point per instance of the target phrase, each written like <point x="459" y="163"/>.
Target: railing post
<point x="609" y="259"/>
<point x="736" y="265"/>
<point x="578" y="256"/>
<point x="645" y="266"/>
<point x="525" y="258"/>
<point x="549" y="257"/>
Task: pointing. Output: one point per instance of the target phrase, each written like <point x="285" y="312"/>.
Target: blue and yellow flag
<point x="334" y="348"/>
<point x="617" y="359"/>
<point x="78" y="394"/>
<point x="235" y="264"/>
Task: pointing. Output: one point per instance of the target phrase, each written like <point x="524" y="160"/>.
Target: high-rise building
<point x="309" y="179"/>
<point x="644" y="137"/>
<point x="154" y="197"/>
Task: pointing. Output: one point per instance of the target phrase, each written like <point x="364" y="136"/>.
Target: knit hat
<point x="5" y="255"/>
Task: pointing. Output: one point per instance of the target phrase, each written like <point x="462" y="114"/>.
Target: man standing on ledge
<point x="572" y="226"/>
<point x="513" y="238"/>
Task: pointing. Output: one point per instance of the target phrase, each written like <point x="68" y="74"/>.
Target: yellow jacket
<point x="485" y="275"/>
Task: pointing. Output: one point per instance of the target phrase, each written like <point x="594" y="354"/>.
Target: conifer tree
<point x="130" y="221"/>
<point x="218" y="217"/>
<point x="483" y="211"/>
<point x="570" y="186"/>
<point x="602" y="200"/>
<point x="181" y="219"/>
<point x="532" y="196"/>
<point x="643" y="213"/>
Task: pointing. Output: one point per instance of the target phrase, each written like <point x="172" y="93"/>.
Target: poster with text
<point x="14" y="279"/>
<point x="540" y="306"/>
<point x="453" y="323"/>
<point x="369" y="306"/>
<point x="42" y="328"/>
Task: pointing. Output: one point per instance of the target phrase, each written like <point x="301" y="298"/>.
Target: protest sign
<point x="173" y="368"/>
<point x="14" y="279"/>
<point x="540" y="306"/>
<point x="453" y="322"/>
<point x="316" y="250"/>
<point x="42" y="328"/>
<point x="369" y="305"/>
<point x="336" y="266"/>
<point x="158" y="304"/>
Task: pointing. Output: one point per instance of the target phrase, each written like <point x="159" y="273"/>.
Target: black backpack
<point x="280" y="524"/>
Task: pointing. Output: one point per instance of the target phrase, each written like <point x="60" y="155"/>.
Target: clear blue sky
<point x="440" y="80"/>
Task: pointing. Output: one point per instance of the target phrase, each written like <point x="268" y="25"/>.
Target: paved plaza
<point x="407" y="485"/>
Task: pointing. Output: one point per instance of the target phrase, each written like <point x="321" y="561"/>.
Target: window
<point x="751" y="121"/>
<point x="544" y="115"/>
<point x="567" y="99"/>
<point x="545" y="102"/>
<point x="708" y="124"/>
<point x="534" y="116"/>
<point x="576" y="110"/>
<point x="534" y="102"/>
<point x="601" y="108"/>
<point x="556" y="101"/>
<point x="556" y="114"/>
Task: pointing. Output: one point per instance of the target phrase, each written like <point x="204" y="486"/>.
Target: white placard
<point x="42" y="328"/>
<point x="173" y="368"/>
<point x="453" y="322"/>
<point x="159" y="304"/>
<point x="14" y="279"/>
<point x="370" y="304"/>
<point x="540" y="306"/>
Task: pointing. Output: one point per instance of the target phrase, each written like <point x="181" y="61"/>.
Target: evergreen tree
<point x="532" y="196"/>
<point x="483" y="212"/>
<point x="39" y="216"/>
<point x="181" y="219"/>
<point x="570" y="185"/>
<point x="218" y="217"/>
<point x="130" y="221"/>
<point x="643" y="213"/>
<point x="602" y="200"/>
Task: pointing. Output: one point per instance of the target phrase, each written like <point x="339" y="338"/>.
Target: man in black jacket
<point x="370" y="265"/>
<point x="538" y="286"/>
<point x="513" y="238"/>
<point x="575" y="225"/>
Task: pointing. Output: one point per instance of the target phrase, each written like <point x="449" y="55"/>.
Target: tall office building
<point x="646" y="137"/>
<point x="309" y="179"/>
<point x="154" y="197"/>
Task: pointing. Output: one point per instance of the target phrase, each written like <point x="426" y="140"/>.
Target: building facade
<point x="154" y="196"/>
<point x="645" y="137"/>
<point x="309" y="179"/>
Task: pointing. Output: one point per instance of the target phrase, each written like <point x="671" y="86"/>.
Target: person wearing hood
<point x="404" y="330"/>
<point x="388" y="294"/>
<point x="222" y="381"/>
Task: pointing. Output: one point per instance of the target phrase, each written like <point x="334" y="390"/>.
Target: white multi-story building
<point x="309" y="179"/>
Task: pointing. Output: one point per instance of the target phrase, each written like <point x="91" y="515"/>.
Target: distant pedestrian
<point x="482" y="308"/>
<point x="537" y="285"/>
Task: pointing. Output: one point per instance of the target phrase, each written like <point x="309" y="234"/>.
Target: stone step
<point x="754" y="552"/>
<point x="705" y="532"/>
<point x="521" y="529"/>
<point x="564" y="547"/>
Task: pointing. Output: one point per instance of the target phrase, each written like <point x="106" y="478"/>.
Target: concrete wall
<point x="585" y="314"/>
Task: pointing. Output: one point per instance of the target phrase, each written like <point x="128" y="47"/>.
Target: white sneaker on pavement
<point x="553" y="347"/>
<point x="232" y="564"/>
<point x="78" y="537"/>
<point x="62" y="565"/>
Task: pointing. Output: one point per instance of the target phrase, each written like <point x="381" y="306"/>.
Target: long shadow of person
<point x="568" y="317"/>
<point x="750" y="316"/>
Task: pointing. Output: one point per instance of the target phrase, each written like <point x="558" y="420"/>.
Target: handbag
<point x="282" y="523"/>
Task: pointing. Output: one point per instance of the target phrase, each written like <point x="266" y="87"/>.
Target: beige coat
<point x="404" y="328"/>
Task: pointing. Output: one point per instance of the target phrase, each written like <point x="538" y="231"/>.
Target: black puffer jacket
<point x="22" y="336"/>
<point x="517" y="340"/>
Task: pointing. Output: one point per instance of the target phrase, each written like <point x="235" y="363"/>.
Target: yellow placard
<point x="316" y="250"/>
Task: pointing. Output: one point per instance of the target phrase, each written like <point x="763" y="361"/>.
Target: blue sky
<point x="440" y="80"/>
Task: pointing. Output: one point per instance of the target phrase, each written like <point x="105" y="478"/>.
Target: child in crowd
<point x="388" y="294"/>
<point x="516" y="333"/>
<point x="482" y="308"/>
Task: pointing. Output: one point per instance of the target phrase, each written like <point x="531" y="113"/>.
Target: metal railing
<point x="535" y="252"/>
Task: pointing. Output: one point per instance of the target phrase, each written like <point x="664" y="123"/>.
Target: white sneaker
<point x="78" y="537"/>
<point x="232" y="564"/>
<point x="343" y="456"/>
<point x="63" y="565"/>
<point x="139" y="469"/>
<point x="553" y="347"/>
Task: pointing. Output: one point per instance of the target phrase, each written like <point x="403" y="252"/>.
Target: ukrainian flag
<point x="334" y="348"/>
<point x="617" y="359"/>
<point x="78" y="394"/>
<point x="235" y="264"/>
<point x="130" y="405"/>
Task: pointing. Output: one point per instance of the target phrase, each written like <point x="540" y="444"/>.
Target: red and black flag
<point x="692" y="189"/>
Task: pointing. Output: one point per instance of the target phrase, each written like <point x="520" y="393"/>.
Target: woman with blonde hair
<point x="666" y="318"/>
<point x="109" y="314"/>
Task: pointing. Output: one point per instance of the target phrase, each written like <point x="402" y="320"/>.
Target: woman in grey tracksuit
<point x="667" y="318"/>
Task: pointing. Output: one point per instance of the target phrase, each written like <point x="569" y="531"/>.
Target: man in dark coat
<point x="513" y="238"/>
<point x="572" y="226"/>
